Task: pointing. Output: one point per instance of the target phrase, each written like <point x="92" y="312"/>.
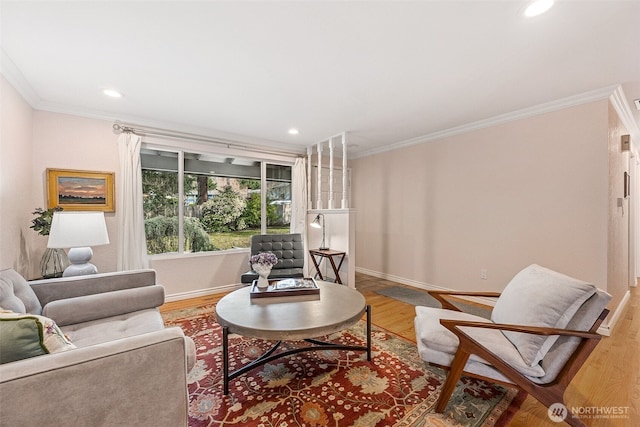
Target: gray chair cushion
<point x="16" y="294"/>
<point x="432" y="335"/>
<point x="250" y="276"/>
<point x="537" y="296"/>
<point x="564" y="347"/>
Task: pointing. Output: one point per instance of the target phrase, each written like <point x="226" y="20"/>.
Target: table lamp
<point x="316" y="224"/>
<point x="78" y="231"/>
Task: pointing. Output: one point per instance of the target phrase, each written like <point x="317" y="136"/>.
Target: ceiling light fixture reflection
<point x="293" y="131"/>
<point x="112" y="93"/>
<point x="538" y="7"/>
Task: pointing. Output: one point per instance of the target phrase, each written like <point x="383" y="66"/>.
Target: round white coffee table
<point x="335" y="308"/>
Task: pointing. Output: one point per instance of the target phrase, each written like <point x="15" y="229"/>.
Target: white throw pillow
<point x="537" y="296"/>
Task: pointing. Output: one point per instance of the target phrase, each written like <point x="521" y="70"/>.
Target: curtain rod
<point x="119" y="127"/>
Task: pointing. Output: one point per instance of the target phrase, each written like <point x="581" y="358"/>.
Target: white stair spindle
<point x="319" y="183"/>
<point x="345" y="203"/>
<point x="330" y="206"/>
<point x="309" y="199"/>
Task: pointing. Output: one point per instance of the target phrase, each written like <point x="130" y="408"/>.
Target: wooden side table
<point x="329" y="254"/>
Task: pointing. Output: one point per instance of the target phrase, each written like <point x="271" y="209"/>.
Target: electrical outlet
<point x="483" y="274"/>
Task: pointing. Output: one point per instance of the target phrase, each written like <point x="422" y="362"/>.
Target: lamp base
<point x="80" y="265"/>
<point x="324" y="248"/>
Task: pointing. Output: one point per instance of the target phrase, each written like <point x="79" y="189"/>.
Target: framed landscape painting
<point x="75" y="190"/>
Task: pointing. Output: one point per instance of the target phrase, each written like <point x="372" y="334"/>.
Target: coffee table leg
<point x="225" y="358"/>
<point x="368" y="333"/>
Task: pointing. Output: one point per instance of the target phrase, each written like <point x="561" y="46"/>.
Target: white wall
<point x="339" y="236"/>
<point x="530" y="191"/>
<point x="198" y="274"/>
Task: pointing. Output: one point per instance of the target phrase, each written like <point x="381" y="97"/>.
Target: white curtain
<point x="132" y="246"/>
<point x="299" y="203"/>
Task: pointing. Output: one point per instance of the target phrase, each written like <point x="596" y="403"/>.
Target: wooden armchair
<point x="542" y="330"/>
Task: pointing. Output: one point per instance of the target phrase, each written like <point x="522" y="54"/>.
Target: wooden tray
<point x="286" y="287"/>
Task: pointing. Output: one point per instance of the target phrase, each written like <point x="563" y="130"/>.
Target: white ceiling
<point x="386" y="72"/>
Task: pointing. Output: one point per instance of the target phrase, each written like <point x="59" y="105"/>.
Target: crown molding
<point x="622" y="107"/>
<point x="614" y="93"/>
<point x="524" y="113"/>
<point x="14" y="76"/>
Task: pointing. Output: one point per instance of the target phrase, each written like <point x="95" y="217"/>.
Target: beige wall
<point x="71" y="142"/>
<point x="618" y="245"/>
<point x="33" y="141"/>
<point x="62" y="141"/>
<point x="16" y="120"/>
<point x="434" y="214"/>
<point x="500" y="198"/>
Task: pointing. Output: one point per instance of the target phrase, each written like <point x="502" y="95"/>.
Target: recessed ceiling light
<point x="112" y="93"/>
<point x="293" y="131"/>
<point x="538" y="7"/>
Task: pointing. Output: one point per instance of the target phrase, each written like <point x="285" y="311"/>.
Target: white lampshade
<point x="78" y="229"/>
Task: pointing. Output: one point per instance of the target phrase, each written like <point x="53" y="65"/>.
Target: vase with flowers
<point x="262" y="264"/>
<point x="54" y="260"/>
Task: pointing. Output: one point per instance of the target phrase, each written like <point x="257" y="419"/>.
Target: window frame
<point x="207" y="149"/>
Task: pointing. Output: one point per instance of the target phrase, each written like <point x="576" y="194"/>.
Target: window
<point x="195" y="202"/>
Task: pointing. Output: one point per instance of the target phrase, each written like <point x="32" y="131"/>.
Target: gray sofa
<point x="126" y="369"/>
<point x="288" y="248"/>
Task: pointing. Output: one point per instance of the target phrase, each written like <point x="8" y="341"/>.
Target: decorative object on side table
<point x="285" y="287"/>
<point x="78" y="231"/>
<point x="262" y="264"/>
<point x="54" y="260"/>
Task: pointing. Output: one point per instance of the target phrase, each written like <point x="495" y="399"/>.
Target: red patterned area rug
<point x="330" y="387"/>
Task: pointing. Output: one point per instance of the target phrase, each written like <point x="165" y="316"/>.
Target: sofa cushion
<point x="537" y="296"/>
<point x="28" y="335"/>
<point x="16" y="294"/>
<point x="113" y="328"/>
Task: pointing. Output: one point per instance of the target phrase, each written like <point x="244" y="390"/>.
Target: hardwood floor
<point x="609" y="381"/>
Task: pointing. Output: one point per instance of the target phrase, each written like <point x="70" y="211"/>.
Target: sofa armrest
<point x="140" y="380"/>
<point x="48" y="290"/>
<point x="85" y="308"/>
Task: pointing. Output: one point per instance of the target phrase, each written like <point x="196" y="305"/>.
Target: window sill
<point x="175" y="255"/>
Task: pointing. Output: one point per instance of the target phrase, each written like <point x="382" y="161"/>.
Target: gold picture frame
<point x="76" y="190"/>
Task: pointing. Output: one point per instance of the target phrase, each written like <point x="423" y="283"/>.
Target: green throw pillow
<point x="26" y="335"/>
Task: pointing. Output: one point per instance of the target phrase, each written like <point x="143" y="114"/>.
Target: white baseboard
<point x="615" y="316"/>
<point x="202" y="292"/>
<point x="421" y="285"/>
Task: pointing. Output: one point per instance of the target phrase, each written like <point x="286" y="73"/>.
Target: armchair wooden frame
<point x="547" y="394"/>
